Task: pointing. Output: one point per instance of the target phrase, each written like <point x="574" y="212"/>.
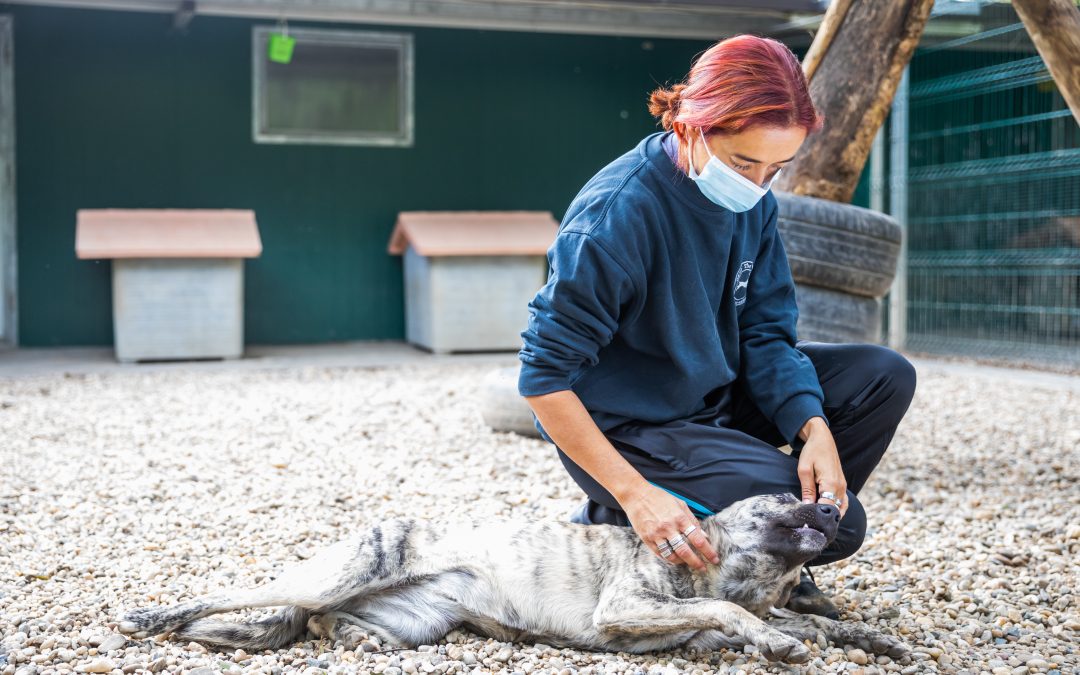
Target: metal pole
<point x="9" y="329"/>
<point x="877" y="171"/>
<point x="898" y="203"/>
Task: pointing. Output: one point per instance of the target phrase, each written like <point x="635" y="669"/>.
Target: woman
<point x="660" y="357"/>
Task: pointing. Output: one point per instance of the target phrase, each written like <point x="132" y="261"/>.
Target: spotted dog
<point x="583" y="586"/>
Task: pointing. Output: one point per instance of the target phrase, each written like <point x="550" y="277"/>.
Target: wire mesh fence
<point x="993" y="197"/>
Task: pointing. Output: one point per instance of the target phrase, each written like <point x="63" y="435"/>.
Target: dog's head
<point x="778" y="528"/>
<point x="762" y="542"/>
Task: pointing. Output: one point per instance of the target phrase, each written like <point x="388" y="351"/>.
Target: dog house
<point x="469" y="276"/>
<point x="177" y="278"/>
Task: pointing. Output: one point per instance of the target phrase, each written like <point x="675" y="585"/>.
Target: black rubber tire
<point x="502" y="407"/>
<point x="839" y="246"/>
<point x="827" y="315"/>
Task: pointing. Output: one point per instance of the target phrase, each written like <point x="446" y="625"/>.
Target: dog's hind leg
<point x="809" y="626"/>
<point x="274" y="632"/>
<point x="349" y="629"/>
<point x="342" y="571"/>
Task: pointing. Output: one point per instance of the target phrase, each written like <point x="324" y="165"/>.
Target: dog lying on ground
<point x="597" y="587"/>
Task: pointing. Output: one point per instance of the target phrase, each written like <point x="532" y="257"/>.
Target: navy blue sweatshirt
<point x="657" y="296"/>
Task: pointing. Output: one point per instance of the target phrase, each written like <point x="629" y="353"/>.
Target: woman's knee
<point x="899" y="371"/>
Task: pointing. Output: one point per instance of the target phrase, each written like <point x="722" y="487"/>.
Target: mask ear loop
<point x="691" y="171"/>
<point x="706" y="144"/>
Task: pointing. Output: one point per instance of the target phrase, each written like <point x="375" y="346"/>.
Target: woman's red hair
<point x="738" y="83"/>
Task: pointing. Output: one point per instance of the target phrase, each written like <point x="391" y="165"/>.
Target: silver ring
<point x="690" y="530"/>
<point x="663" y="546"/>
<point x="677" y="542"/>
<point x="666" y="553"/>
<point x="828" y="495"/>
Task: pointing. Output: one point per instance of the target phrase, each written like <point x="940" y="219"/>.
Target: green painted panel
<point x="115" y="109"/>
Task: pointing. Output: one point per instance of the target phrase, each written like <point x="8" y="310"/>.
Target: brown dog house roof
<point x="465" y="233"/>
<point x="166" y="233"/>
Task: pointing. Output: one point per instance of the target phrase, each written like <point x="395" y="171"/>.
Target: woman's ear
<point x="680" y="130"/>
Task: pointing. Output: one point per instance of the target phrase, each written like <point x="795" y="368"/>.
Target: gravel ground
<point x="127" y="488"/>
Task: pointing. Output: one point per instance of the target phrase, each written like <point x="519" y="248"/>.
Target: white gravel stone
<point x="123" y="489"/>
<point x="112" y="642"/>
<point x="97" y="666"/>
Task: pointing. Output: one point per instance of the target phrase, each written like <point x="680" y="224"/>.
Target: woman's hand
<point x="657" y="516"/>
<point x="819" y="467"/>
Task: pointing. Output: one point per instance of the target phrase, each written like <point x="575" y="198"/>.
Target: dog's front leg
<point x="627" y="611"/>
<point x="809" y="626"/>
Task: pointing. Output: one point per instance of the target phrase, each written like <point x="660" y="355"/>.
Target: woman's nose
<point x="763" y="176"/>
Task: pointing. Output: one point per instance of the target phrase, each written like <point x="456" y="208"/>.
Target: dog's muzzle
<point x="815" y="521"/>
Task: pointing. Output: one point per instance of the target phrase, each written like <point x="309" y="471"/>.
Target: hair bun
<point x="664" y="104"/>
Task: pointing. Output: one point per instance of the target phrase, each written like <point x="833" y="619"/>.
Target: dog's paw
<point x="876" y="642"/>
<point x="349" y="636"/>
<point x="892" y="647"/>
<point x="780" y="647"/>
<point x="141" y="623"/>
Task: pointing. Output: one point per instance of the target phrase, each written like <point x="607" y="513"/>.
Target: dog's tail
<point x="274" y="632"/>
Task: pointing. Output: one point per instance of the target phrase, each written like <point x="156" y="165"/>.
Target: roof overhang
<point x="696" y="19"/>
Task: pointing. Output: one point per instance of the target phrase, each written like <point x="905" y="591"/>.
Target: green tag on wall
<point x="280" y="48"/>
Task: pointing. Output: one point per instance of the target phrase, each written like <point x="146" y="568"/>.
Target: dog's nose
<point x="829" y="511"/>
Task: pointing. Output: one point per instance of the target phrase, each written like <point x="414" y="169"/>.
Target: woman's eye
<point x="742" y="167"/>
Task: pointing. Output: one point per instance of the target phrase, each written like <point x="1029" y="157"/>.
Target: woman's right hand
<point x="657" y="516"/>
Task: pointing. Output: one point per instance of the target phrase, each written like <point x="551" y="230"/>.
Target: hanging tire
<point x="502" y="407"/>
<point x="827" y="315"/>
<point x="839" y="246"/>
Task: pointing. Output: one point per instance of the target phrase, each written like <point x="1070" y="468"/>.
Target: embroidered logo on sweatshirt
<point x="742" y="281"/>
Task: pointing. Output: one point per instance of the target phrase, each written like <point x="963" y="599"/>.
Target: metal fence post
<point x="898" y="206"/>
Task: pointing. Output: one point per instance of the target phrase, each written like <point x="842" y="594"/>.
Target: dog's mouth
<point x="808" y="531"/>
<point x="812" y="525"/>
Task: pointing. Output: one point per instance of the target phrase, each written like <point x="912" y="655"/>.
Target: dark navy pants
<point x="729" y="451"/>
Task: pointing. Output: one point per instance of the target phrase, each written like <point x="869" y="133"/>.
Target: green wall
<point x="114" y="109"/>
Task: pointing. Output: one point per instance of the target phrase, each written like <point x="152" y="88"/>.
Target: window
<point x="340" y="88"/>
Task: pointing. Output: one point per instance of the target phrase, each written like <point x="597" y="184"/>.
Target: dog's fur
<point x="409" y="582"/>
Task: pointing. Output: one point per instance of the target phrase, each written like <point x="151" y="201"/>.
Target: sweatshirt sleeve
<point x="574" y="315"/>
<point x="780" y="379"/>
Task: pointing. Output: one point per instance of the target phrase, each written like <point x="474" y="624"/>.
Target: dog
<point x="597" y="587"/>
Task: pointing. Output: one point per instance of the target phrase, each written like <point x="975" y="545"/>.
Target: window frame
<point x="402" y="41"/>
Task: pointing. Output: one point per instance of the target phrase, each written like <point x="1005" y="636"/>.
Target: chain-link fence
<point x="993" y="199"/>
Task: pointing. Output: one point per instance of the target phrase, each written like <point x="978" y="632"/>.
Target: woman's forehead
<point x="769" y="145"/>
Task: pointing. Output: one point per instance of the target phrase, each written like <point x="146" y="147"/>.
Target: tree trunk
<point x="853" y="87"/>
<point x="1054" y="27"/>
<point x="830" y="25"/>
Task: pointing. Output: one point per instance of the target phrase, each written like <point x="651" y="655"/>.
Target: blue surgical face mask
<point x="725" y="186"/>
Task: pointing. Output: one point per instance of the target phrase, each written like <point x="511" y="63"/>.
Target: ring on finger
<point x="676" y="542"/>
<point x="688" y="531"/>
<point x="663" y="546"/>
<point x="666" y="553"/>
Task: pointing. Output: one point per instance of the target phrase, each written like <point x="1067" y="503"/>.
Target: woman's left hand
<point x="820" y="470"/>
